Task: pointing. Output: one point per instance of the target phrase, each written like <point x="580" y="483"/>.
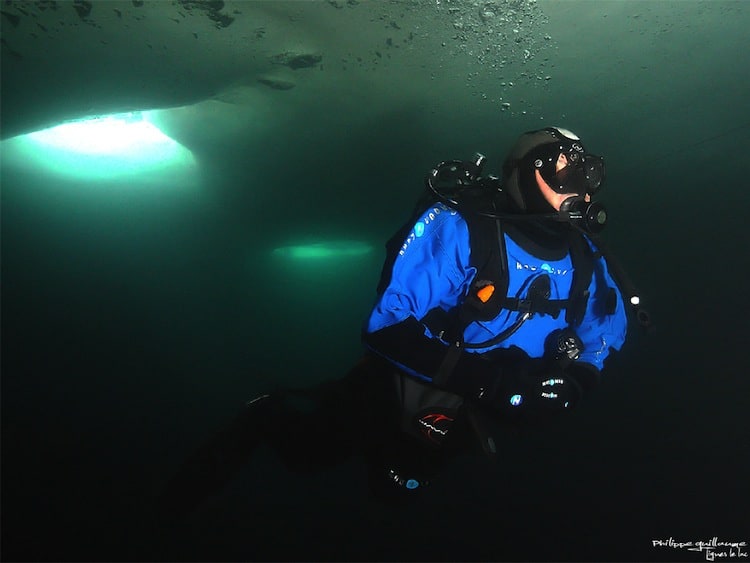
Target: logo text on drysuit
<point x="542" y="268"/>
<point x="420" y="226"/>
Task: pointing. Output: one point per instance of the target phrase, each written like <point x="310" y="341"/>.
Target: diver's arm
<point x="575" y="358"/>
<point x="512" y="383"/>
<point x="604" y="324"/>
<point x="406" y="345"/>
<point x="431" y="272"/>
<point x="521" y="385"/>
<point x="585" y="375"/>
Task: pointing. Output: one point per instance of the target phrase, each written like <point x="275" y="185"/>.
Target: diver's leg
<point x="308" y="429"/>
<point x="325" y="425"/>
<point x="217" y="460"/>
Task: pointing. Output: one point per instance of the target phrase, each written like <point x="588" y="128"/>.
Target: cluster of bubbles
<point x="497" y="47"/>
<point x="503" y="42"/>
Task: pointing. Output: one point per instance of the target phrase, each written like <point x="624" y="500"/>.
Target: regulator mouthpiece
<point x="589" y="216"/>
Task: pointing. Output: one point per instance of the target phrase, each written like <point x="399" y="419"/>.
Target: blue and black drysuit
<point x="433" y="273"/>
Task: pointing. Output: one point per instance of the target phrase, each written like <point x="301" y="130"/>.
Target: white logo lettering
<point x="542" y="267"/>
<point x="419" y="227"/>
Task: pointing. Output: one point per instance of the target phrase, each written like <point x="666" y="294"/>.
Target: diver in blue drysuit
<point x="434" y="369"/>
<point x="530" y="359"/>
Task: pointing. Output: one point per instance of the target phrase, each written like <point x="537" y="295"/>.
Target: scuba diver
<point x="497" y="302"/>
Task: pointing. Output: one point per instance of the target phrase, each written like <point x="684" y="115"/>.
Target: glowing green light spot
<point x="106" y="147"/>
<point x="324" y="250"/>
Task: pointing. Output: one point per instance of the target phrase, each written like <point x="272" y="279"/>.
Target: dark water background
<point x="136" y="321"/>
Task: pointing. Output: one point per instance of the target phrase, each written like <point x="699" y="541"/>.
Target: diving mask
<point x="583" y="174"/>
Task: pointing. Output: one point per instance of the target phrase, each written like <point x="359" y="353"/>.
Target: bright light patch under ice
<point x="107" y="147"/>
<point x="323" y="250"/>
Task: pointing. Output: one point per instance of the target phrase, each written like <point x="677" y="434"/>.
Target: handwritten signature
<point x="715" y="549"/>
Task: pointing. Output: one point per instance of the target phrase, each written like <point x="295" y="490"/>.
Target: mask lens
<point x="593" y="169"/>
<point x="583" y="176"/>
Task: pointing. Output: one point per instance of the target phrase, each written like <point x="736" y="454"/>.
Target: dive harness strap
<point x="489" y="254"/>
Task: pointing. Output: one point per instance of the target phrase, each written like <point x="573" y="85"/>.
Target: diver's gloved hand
<point x="552" y="390"/>
<point x="533" y="386"/>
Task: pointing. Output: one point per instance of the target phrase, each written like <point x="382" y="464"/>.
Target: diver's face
<point x="553" y="198"/>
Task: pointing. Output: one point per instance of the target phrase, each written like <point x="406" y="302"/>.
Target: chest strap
<point x="541" y="306"/>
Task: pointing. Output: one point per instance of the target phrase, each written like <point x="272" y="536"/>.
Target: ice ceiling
<point x="651" y="77"/>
